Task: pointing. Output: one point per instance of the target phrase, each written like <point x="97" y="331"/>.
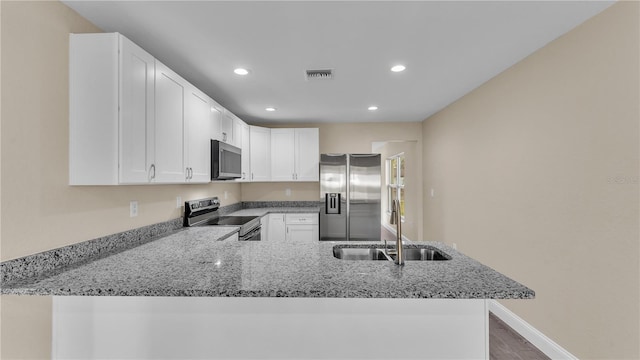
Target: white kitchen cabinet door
<point x="303" y="233"/>
<point x="169" y="130"/>
<point x="226" y="127"/>
<point x="111" y="105"/>
<point x="137" y="72"/>
<point x="302" y="227"/>
<point x="282" y="155"/>
<point x="260" y="153"/>
<point x="197" y="141"/>
<point x="295" y="154"/>
<point x="264" y="228"/>
<point x="216" y="120"/>
<point x="276" y="228"/>
<point x="307" y="154"/>
<point x="246" y="152"/>
<point x="237" y="131"/>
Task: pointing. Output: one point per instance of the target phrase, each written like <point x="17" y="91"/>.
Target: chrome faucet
<point x="396" y="220"/>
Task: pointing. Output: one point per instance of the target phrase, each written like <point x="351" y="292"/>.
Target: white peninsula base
<point x="268" y="328"/>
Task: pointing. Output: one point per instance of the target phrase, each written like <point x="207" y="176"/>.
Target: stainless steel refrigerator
<point x="350" y="197"/>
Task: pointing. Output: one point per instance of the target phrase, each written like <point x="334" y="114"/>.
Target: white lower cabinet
<point x="293" y="227"/>
<point x="264" y="228"/>
<point x="276" y="228"/>
<point x="302" y="227"/>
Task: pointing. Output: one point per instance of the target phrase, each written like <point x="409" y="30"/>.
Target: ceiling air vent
<point x="326" y="74"/>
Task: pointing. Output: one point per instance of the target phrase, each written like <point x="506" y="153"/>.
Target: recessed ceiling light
<point x="373" y="108"/>
<point x="241" y="71"/>
<point x="270" y="108"/>
<point x="398" y="68"/>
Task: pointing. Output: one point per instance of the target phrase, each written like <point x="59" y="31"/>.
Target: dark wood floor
<point x="506" y="344"/>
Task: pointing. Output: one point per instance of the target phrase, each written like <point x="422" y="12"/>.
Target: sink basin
<point x="348" y="253"/>
<point x="425" y="253"/>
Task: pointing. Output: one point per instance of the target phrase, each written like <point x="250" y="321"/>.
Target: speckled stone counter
<point x="267" y="210"/>
<point x="195" y="262"/>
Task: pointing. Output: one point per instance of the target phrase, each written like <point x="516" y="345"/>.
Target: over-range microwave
<point x="225" y="161"/>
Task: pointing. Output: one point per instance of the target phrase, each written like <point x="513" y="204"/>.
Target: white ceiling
<point x="449" y="48"/>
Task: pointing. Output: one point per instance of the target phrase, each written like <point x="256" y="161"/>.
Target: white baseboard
<point x="535" y="337"/>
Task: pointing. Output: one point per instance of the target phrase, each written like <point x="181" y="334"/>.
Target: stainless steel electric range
<point x="204" y="212"/>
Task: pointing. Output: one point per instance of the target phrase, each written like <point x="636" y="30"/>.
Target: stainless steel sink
<point x="419" y="253"/>
<point x="348" y="253"/>
<point x="423" y="254"/>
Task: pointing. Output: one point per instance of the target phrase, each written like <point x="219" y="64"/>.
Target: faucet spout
<point x="396" y="220"/>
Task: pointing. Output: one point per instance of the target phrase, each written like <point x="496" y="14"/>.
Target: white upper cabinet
<point x="295" y="154"/>
<point x="132" y="120"/>
<point x="169" y="135"/>
<point x="282" y="155"/>
<point x="260" y="153"/>
<point x="111" y="111"/>
<point x="198" y="125"/>
<point x="216" y="121"/>
<point x="246" y="152"/>
<point x="307" y="154"/>
<point x="237" y="131"/>
<point x="226" y="127"/>
<point x="136" y="120"/>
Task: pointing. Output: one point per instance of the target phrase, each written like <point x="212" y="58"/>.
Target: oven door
<point x="253" y="235"/>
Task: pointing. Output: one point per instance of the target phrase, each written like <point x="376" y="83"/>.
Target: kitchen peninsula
<point x="198" y="292"/>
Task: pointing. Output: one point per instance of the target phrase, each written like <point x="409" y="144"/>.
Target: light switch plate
<point x="287" y="192"/>
<point x="179" y="202"/>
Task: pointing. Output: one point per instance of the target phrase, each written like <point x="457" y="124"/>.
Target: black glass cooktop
<point x="230" y="220"/>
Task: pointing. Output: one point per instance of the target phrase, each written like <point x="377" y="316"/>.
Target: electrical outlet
<point x="133" y="208"/>
<point x="287" y="192"/>
<point x="226" y="194"/>
<point x="433" y="192"/>
<point x="178" y="202"/>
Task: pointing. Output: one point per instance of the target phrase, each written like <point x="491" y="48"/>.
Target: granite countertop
<point x="196" y="262"/>
<point x="266" y="210"/>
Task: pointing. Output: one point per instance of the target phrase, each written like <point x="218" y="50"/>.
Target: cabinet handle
<point x="190" y="173"/>
<point x="251" y="176"/>
<point x="293" y="176"/>
<point x="224" y="136"/>
<point x="243" y="176"/>
<point x="153" y="173"/>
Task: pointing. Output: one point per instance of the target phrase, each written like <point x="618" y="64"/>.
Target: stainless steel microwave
<point x="225" y="161"/>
